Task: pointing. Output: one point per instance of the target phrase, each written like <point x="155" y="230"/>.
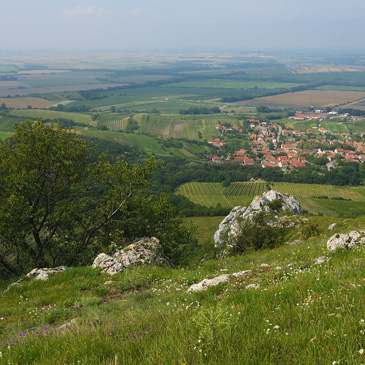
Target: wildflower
<point x="361" y="351"/>
<point x="148" y="329"/>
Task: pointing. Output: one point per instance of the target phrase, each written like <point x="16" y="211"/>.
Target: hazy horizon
<point x="181" y="26"/>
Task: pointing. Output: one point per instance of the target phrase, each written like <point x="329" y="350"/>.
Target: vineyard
<point x="329" y="200"/>
<point x="315" y="190"/>
<point x="211" y="194"/>
<point x="245" y="189"/>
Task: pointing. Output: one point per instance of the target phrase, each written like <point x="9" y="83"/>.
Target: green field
<point x="58" y="81"/>
<point x="205" y="227"/>
<point x="111" y="136"/>
<point x="316" y="199"/>
<point x="308" y="195"/>
<point x="148" y="144"/>
<point x="51" y="114"/>
<point x="211" y="194"/>
<point x="8" y="122"/>
<point x="341" y="88"/>
<point x="4" y="135"/>
<point x="170" y="125"/>
<point x="231" y="84"/>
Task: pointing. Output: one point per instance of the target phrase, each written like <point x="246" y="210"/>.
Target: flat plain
<point x="305" y="99"/>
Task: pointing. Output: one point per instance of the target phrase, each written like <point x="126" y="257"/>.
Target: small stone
<point x="207" y="283"/>
<point x="332" y="226"/>
<point x="278" y="268"/>
<point x="252" y="286"/>
<point x="321" y="260"/>
<point x="43" y="274"/>
<point x="264" y="265"/>
<point x="295" y="242"/>
<point x="109" y="282"/>
<point x="240" y="273"/>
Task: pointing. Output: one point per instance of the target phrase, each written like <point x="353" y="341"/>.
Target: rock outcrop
<point x="269" y="202"/>
<point x="208" y="283"/>
<point x="346" y="240"/>
<point x="43" y="274"/>
<point x="108" y="264"/>
<point x="145" y="251"/>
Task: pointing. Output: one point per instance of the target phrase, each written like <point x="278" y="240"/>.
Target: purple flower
<point x="148" y="329"/>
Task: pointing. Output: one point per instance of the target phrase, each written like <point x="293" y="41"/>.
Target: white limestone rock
<point x="332" y="226"/>
<point x="207" y="283"/>
<point x="43" y="273"/>
<point x="229" y="228"/>
<point x="240" y="273"/>
<point x="145" y="251"/>
<point x="346" y="240"/>
<point x="108" y="264"/>
<point x="321" y="260"/>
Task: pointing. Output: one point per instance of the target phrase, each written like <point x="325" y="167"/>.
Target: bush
<point x="276" y="205"/>
<point x="258" y="234"/>
<point x="310" y="230"/>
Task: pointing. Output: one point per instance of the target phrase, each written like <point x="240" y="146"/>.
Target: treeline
<point x="178" y="171"/>
<point x="71" y="109"/>
<point x="353" y="112"/>
<point x="312" y="85"/>
<point x="200" y="110"/>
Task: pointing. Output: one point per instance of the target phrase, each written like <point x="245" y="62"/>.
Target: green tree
<point x="57" y="198"/>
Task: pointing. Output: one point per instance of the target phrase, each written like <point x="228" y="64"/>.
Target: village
<point x="273" y="145"/>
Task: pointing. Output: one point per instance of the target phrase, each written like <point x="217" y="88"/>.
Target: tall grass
<point x="301" y="313"/>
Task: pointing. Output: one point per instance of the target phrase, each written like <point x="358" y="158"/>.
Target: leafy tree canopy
<point x="60" y="203"/>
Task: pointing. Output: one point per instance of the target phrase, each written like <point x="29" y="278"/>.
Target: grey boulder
<point x="346" y="240"/>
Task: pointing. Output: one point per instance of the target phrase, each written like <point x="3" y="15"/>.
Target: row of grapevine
<point x="245" y="189"/>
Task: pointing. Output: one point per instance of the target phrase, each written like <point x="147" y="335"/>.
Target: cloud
<point x="137" y="10"/>
<point x="79" y="11"/>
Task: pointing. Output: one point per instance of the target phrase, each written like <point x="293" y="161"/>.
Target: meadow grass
<point x="300" y="313"/>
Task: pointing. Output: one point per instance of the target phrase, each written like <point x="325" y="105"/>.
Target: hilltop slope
<point x="301" y="312"/>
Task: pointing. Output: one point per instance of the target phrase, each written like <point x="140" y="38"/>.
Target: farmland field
<point x="316" y="199"/>
<point x="341" y="88"/>
<point x="205" y="227"/>
<point x="4" y="135"/>
<point x="308" y="195"/>
<point x="317" y="98"/>
<point x="51" y="114"/>
<point x="358" y="105"/>
<point x="231" y="84"/>
<point x="24" y="102"/>
<point x="211" y="194"/>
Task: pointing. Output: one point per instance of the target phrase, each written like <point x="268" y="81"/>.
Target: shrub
<point x="258" y="234"/>
<point x="310" y="230"/>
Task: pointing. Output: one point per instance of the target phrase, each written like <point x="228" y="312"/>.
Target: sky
<point x="181" y="25"/>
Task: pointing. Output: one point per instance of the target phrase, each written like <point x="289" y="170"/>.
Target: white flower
<point x="276" y="327"/>
<point x="361" y="351"/>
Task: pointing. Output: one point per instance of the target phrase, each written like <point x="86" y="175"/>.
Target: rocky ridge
<point x="144" y="251"/>
<point x="230" y="226"/>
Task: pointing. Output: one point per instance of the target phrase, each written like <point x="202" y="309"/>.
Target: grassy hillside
<point x="330" y="200"/>
<point x="301" y="313"/>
